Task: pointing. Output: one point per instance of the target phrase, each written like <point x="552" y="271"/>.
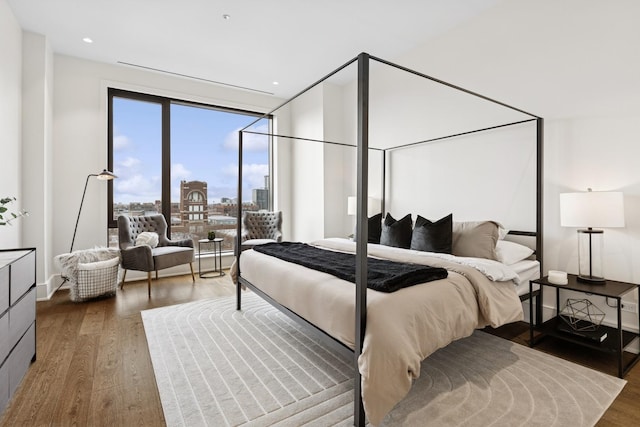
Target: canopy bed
<point x="432" y="313"/>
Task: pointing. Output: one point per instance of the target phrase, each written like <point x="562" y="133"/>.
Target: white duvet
<point x="403" y="327"/>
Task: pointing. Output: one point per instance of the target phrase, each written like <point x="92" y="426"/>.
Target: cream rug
<point x="216" y="366"/>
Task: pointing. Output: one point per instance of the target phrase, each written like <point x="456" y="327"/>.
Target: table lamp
<point x="591" y="209"/>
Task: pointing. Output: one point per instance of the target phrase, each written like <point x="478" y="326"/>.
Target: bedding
<point x="382" y="275"/>
<point x="403" y="327"/>
<point x="526" y="270"/>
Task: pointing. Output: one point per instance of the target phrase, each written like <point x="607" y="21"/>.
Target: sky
<point x="204" y="147"/>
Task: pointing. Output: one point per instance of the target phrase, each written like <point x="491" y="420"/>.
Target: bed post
<point x="383" y="202"/>
<point x="539" y="190"/>
<point x="238" y="248"/>
<point x="361" y="230"/>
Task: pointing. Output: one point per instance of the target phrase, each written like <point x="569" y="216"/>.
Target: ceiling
<point x="292" y="42"/>
<point x="555" y="58"/>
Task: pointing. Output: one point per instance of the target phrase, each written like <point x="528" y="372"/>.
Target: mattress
<point x="526" y="270"/>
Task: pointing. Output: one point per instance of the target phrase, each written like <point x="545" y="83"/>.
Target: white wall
<point x="487" y="175"/>
<point x="37" y="105"/>
<point x="307" y="173"/>
<point x="10" y="122"/>
<point x="335" y="164"/>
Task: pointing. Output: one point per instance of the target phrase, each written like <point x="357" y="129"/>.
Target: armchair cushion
<point x="170" y="256"/>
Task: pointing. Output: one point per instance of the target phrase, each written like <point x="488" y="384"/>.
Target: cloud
<point x="130" y="163"/>
<point x="137" y="188"/>
<point x="133" y="183"/>
<point x="250" y="141"/>
<point x="121" y="142"/>
<point x="179" y="172"/>
<point x="252" y="174"/>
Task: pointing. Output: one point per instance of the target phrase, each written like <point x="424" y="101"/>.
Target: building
<point x="193" y="202"/>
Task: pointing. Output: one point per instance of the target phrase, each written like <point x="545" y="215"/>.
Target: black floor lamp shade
<point x="105" y="175"/>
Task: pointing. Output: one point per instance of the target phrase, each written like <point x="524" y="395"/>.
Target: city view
<point x="202" y="145"/>
<point x="194" y="217"/>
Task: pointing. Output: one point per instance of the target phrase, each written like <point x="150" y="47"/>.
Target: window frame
<point x="165" y="104"/>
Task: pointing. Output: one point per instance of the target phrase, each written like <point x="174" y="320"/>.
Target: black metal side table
<point x="616" y="338"/>
<point x="215" y="248"/>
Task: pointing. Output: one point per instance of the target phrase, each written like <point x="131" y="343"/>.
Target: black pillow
<point x="396" y="233"/>
<point x="433" y="236"/>
<point x="375" y="228"/>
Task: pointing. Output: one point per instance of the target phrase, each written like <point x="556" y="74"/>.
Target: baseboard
<point x="45" y="290"/>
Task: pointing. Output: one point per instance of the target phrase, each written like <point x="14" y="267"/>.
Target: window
<point x="181" y="159"/>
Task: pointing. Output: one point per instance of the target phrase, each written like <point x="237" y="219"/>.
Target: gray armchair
<point x="260" y="227"/>
<point x="167" y="254"/>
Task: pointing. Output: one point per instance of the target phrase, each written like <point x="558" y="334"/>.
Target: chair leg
<point x="156" y="274"/>
<point x="149" y="283"/>
<point x="193" y="277"/>
<point x="124" y="276"/>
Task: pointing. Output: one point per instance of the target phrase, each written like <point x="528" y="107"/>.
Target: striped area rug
<point x="215" y="366"/>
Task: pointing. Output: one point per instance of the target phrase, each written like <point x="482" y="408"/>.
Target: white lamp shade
<point x="373" y="205"/>
<point x="603" y="209"/>
<point x="351" y="205"/>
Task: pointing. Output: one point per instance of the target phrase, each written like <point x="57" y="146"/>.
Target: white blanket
<point x="403" y="327"/>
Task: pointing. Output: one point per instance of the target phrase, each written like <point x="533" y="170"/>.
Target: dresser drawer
<point x="5" y="342"/>
<point x="20" y="358"/>
<point x="4" y="288"/>
<point x="21" y="316"/>
<point x="4" y="386"/>
<point x="23" y="276"/>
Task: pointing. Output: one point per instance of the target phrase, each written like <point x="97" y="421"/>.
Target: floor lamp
<point x="105" y="175"/>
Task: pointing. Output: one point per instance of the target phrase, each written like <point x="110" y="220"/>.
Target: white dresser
<point x="17" y="318"/>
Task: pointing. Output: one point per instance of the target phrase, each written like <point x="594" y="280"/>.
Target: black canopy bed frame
<point x="362" y="147"/>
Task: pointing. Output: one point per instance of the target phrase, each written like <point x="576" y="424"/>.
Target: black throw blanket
<point x="382" y="275"/>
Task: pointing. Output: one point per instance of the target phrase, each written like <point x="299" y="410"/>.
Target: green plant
<point x="4" y="211"/>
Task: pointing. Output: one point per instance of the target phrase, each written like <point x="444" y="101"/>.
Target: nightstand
<point x="616" y="339"/>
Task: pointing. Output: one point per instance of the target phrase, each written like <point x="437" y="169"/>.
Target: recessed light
<point x="226" y="17"/>
<point x="276" y="83"/>
<point x="87" y="40"/>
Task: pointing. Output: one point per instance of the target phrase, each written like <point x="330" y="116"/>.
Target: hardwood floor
<point x="93" y="366"/>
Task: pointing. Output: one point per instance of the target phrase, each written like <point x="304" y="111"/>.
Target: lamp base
<point x="590" y="244"/>
<point x="592" y="279"/>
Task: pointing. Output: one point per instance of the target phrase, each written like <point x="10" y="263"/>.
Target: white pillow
<point x="147" y="238"/>
<point x="510" y="252"/>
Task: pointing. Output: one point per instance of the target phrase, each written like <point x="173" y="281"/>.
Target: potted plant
<point x="5" y="216"/>
<point x="211" y="235"/>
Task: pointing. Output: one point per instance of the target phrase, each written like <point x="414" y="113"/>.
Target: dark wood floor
<point x="93" y="366"/>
